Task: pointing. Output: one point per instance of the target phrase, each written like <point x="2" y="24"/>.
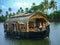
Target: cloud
<point x="22" y="4"/>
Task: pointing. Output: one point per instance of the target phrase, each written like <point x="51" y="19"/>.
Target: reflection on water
<point x="54" y="38"/>
<point x="28" y="42"/>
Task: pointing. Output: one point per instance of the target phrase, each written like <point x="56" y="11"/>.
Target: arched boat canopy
<point x="24" y="18"/>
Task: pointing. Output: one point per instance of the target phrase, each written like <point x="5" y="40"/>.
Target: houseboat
<point x="31" y="25"/>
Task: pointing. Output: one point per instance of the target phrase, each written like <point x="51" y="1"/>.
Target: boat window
<point x="11" y="27"/>
<point x="21" y="27"/>
<point x="31" y="24"/>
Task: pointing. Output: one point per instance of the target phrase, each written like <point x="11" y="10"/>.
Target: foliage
<point x="10" y="9"/>
<point x="0" y="11"/>
<point x="53" y="4"/>
<point x="2" y="18"/>
<point x="26" y="10"/>
<point x="55" y="16"/>
<point x="34" y="8"/>
<point x="42" y="7"/>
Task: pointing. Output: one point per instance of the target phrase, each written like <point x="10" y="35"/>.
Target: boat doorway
<point x="39" y="22"/>
<point x="36" y="24"/>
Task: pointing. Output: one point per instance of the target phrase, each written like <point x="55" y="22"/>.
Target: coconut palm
<point x="17" y="13"/>
<point x="46" y="6"/>
<point x="0" y="11"/>
<point x="41" y="7"/>
<point x="20" y="9"/>
<point x="13" y="13"/>
<point x="34" y="8"/>
<point x="26" y="10"/>
<point x="6" y="12"/>
<point x="33" y="4"/>
<point x="10" y="12"/>
<point x="53" y="4"/>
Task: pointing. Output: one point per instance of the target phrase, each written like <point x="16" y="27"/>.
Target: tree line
<point x="43" y="7"/>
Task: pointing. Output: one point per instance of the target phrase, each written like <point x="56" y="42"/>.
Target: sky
<point x="16" y="4"/>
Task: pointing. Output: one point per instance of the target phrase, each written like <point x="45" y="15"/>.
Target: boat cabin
<point x="31" y="22"/>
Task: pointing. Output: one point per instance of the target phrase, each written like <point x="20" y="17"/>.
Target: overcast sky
<point x="16" y="4"/>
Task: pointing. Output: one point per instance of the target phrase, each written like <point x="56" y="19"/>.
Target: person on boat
<point x="36" y="29"/>
<point x="31" y="29"/>
<point x="44" y="26"/>
<point x="40" y="26"/>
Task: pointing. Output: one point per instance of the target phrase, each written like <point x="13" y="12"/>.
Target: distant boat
<point x="31" y="25"/>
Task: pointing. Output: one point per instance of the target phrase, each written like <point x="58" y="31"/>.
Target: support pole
<point x="14" y="27"/>
<point x="27" y="27"/>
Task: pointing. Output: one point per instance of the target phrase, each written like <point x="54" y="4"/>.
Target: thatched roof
<point x="23" y="17"/>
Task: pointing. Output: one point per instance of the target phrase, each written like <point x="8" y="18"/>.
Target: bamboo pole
<point x="27" y="27"/>
<point x="16" y="26"/>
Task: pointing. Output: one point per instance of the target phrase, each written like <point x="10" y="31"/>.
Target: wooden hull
<point x="28" y="35"/>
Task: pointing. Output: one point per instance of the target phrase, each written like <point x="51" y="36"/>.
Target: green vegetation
<point x="42" y="7"/>
<point x="55" y="16"/>
<point x="2" y="18"/>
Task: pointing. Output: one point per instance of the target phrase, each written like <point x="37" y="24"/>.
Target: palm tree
<point x="33" y="8"/>
<point x="33" y="4"/>
<point x="27" y="10"/>
<point x="7" y="14"/>
<point x="20" y="9"/>
<point x="0" y="11"/>
<point x="56" y="8"/>
<point x="17" y="13"/>
<point x="10" y="12"/>
<point x="41" y="7"/>
<point x="13" y="13"/>
<point x="46" y="6"/>
<point x="53" y="5"/>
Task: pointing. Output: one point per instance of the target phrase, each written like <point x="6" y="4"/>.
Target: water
<point x="54" y="38"/>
